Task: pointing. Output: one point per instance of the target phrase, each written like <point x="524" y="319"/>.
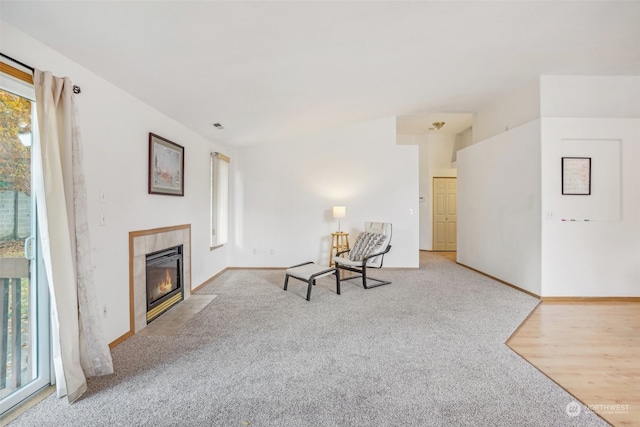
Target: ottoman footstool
<point x="309" y="272"/>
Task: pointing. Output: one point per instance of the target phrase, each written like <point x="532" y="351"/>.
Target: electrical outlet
<point x="104" y="311"/>
<point x="548" y="215"/>
<point x="103" y="196"/>
<point x="103" y="219"/>
<point x="255" y="251"/>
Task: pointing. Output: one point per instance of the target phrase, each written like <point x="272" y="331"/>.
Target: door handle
<point x="28" y="248"/>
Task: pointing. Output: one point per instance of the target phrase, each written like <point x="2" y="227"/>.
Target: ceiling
<point x="420" y="124"/>
<point x="273" y="70"/>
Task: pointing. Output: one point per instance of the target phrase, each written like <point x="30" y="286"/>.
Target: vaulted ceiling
<point x="270" y="70"/>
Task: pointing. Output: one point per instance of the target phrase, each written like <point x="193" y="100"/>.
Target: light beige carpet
<point x="427" y="350"/>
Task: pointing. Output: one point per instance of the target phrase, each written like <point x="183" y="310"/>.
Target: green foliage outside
<point x="24" y="331"/>
<point x="15" y="158"/>
<point x="15" y="175"/>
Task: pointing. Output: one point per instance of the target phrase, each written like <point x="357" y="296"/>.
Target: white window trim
<point x="219" y="200"/>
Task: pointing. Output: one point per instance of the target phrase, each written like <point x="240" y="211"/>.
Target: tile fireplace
<point x="157" y="241"/>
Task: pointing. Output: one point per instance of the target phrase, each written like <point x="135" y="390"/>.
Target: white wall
<point x="284" y="193"/>
<point x="514" y="109"/>
<point x="589" y="116"/>
<point x="436" y="154"/>
<point x="463" y="140"/>
<point x="600" y="257"/>
<point x="402" y="139"/>
<point x="596" y="117"/>
<point x="499" y="221"/>
<point x="115" y="129"/>
<point x="590" y="96"/>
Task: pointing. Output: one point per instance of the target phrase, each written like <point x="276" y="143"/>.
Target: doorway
<point x="445" y="214"/>
<point x="24" y="299"/>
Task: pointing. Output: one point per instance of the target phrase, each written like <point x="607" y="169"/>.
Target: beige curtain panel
<point x="78" y="343"/>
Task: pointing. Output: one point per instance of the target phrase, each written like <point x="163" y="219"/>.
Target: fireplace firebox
<point x="164" y="281"/>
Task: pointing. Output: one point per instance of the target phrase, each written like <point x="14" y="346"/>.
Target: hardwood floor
<point x="590" y="349"/>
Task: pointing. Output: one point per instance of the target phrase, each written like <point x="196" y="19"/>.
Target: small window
<point x="219" y="199"/>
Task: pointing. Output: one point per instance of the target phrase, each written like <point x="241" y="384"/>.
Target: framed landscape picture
<point x="166" y="166"/>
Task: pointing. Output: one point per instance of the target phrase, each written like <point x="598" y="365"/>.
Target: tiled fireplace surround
<point x="143" y="242"/>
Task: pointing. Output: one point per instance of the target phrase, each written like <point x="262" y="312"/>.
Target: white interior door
<point x="445" y="214"/>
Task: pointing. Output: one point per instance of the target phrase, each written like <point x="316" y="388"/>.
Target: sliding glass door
<point x="24" y="303"/>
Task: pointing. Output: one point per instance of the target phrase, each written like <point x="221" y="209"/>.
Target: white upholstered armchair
<point x="367" y="252"/>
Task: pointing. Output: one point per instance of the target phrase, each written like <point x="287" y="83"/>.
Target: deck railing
<point x="12" y="353"/>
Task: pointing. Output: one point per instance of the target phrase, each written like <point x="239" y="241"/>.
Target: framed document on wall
<point x="576" y="176"/>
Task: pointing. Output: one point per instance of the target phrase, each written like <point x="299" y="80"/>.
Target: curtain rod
<point x="76" y="89"/>
<point x="17" y="62"/>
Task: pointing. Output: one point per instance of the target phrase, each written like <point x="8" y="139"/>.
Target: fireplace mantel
<point x="141" y="243"/>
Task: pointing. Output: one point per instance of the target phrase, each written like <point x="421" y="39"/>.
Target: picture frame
<point x="576" y="176"/>
<point x="166" y="166"/>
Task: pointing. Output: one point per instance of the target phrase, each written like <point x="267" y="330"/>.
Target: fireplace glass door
<point x="164" y="281"/>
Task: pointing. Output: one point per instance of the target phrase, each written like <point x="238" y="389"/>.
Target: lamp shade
<point x="339" y="211"/>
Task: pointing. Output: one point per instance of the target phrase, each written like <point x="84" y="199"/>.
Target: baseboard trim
<point x="501" y="281"/>
<point x="583" y="300"/>
<point x="120" y="339"/>
<point x="130" y="333"/>
<point x="521" y="324"/>
<point x="209" y="280"/>
<point x="559" y="300"/>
